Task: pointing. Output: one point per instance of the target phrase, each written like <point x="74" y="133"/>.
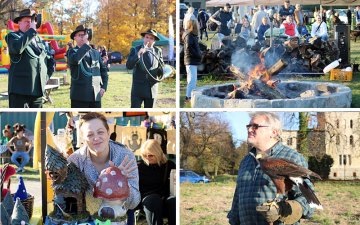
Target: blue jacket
<point x="261" y="31"/>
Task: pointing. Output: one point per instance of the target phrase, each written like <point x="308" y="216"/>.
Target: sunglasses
<point x="254" y="126"/>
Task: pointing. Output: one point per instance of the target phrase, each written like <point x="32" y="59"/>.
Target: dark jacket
<point x="224" y="18"/>
<point x="31" y="65"/>
<point x="144" y="85"/>
<point x="286" y="12"/>
<point x="192" y="54"/>
<point x="88" y="74"/>
<point x="154" y="179"/>
<point x="202" y="18"/>
<point x="262" y="29"/>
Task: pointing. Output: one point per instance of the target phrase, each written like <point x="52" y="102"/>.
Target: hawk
<point x="285" y="174"/>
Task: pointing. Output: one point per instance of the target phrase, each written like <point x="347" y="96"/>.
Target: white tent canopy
<point x="213" y="3"/>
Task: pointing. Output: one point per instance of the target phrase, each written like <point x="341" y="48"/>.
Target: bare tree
<point x="206" y="139"/>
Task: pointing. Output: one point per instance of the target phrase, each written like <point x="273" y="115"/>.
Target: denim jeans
<point x="25" y="158"/>
<point x="191" y="71"/>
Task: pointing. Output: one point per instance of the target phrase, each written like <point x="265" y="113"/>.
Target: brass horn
<point x="168" y="71"/>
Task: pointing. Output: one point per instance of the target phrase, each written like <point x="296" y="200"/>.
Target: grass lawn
<point x="210" y="203"/>
<point x="354" y="84"/>
<point x="117" y="95"/>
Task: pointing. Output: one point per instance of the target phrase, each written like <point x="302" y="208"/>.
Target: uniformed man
<point x="89" y="77"/>
<point x="31" y="63"/>
<point x="146" y="61"/>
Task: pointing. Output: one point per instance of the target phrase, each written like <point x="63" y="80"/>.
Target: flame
<point x="259" y="72"/>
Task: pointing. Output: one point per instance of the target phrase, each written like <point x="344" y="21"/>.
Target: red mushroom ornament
<point x="113" y="188"/>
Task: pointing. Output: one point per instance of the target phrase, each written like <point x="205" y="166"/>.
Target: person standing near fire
<point x="192" y="55"/>
<point x="223" y="18"/>
<point x="286" y="10"/>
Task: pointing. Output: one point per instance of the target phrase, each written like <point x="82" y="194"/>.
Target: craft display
<point x="21" y="191"/>
<point x="132" y="137"/>
<point x="8" y="204"/>
<point x="113" y="188"/>
<point x="19" y="213"/>
<point x="69" y="185"/>
<point x="6" y="172"/>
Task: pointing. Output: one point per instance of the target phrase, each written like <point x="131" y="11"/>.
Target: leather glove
<point x="288" y="212"/>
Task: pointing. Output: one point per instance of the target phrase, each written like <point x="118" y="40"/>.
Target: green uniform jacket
<point x="143" y="85"/>
<point x="88" y="74"/>
<point x="28" y="72"/>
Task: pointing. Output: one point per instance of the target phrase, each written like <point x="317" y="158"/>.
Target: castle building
<point x="338" y="135"/>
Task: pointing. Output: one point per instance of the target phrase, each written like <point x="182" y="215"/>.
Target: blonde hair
<point x="153" y="147"/>
<point x="192" y="26"/>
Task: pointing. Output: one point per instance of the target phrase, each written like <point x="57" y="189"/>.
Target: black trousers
<point x="203" y="31"/>
<point x="137" y="101"/>
<point x="81" y="104"/>
<point x="24" y="101"/>
<point x="156" y="208"/>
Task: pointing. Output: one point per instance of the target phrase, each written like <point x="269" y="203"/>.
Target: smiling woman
<point x="99" y="153"/>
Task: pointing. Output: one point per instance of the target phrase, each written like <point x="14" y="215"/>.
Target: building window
<point x="337" y="139"/>
<point x="354" y="174"/>
<point x="344" y="160"/>
<point x="340" y="159"/>
<point x="289" y="142"/>
<point x="351" y="140"/>
<point x="335" y="174"/>
<point x="349" y="157"/>
<point x="337" y="124"/>
<point x="351" y="124"/>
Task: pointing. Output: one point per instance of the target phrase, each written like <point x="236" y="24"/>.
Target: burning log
<point x="267" y="91"/>
<point x="277" y="67"/>
<point x="241" y="93"/>
<point x="235" y="71"/>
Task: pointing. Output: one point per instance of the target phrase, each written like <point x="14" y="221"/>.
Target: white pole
<point x="171" y="39"/>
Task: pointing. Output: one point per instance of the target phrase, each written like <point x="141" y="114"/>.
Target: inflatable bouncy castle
<point x="47" y="33"/>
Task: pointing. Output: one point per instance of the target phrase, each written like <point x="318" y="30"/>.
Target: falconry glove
<point x="288" y="212"/>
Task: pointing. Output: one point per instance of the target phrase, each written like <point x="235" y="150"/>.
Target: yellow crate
<point x="337" y="74"/>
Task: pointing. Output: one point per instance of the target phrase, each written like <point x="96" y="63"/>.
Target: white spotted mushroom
<point x="112" y="187"/>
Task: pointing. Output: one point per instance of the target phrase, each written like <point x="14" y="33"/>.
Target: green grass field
<point x="117" y="95"/>
<point x="210" y="203"/>
<point x="354" y="84"/>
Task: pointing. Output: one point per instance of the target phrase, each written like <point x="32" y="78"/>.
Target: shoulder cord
<point x="161" y="64"/>
<point x="82" y="69"/>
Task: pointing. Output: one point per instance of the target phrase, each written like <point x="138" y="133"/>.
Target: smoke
<point x="245" y="59"/>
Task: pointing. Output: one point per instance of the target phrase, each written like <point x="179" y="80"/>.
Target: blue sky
<point x="238" y="121"/>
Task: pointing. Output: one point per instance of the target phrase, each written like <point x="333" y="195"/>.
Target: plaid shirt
<point x="253" y="188"/>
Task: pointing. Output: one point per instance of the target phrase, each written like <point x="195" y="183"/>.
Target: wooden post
<point x="43" y="175"/>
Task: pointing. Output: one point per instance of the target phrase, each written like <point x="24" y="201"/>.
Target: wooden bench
<point x="52" y="84"/>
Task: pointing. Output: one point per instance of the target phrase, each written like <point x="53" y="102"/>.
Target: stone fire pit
<point x="301" y="94"/>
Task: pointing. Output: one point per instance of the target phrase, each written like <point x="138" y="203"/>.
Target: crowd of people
<point x="18" y="141"/>
<point x="292" y="20"/>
